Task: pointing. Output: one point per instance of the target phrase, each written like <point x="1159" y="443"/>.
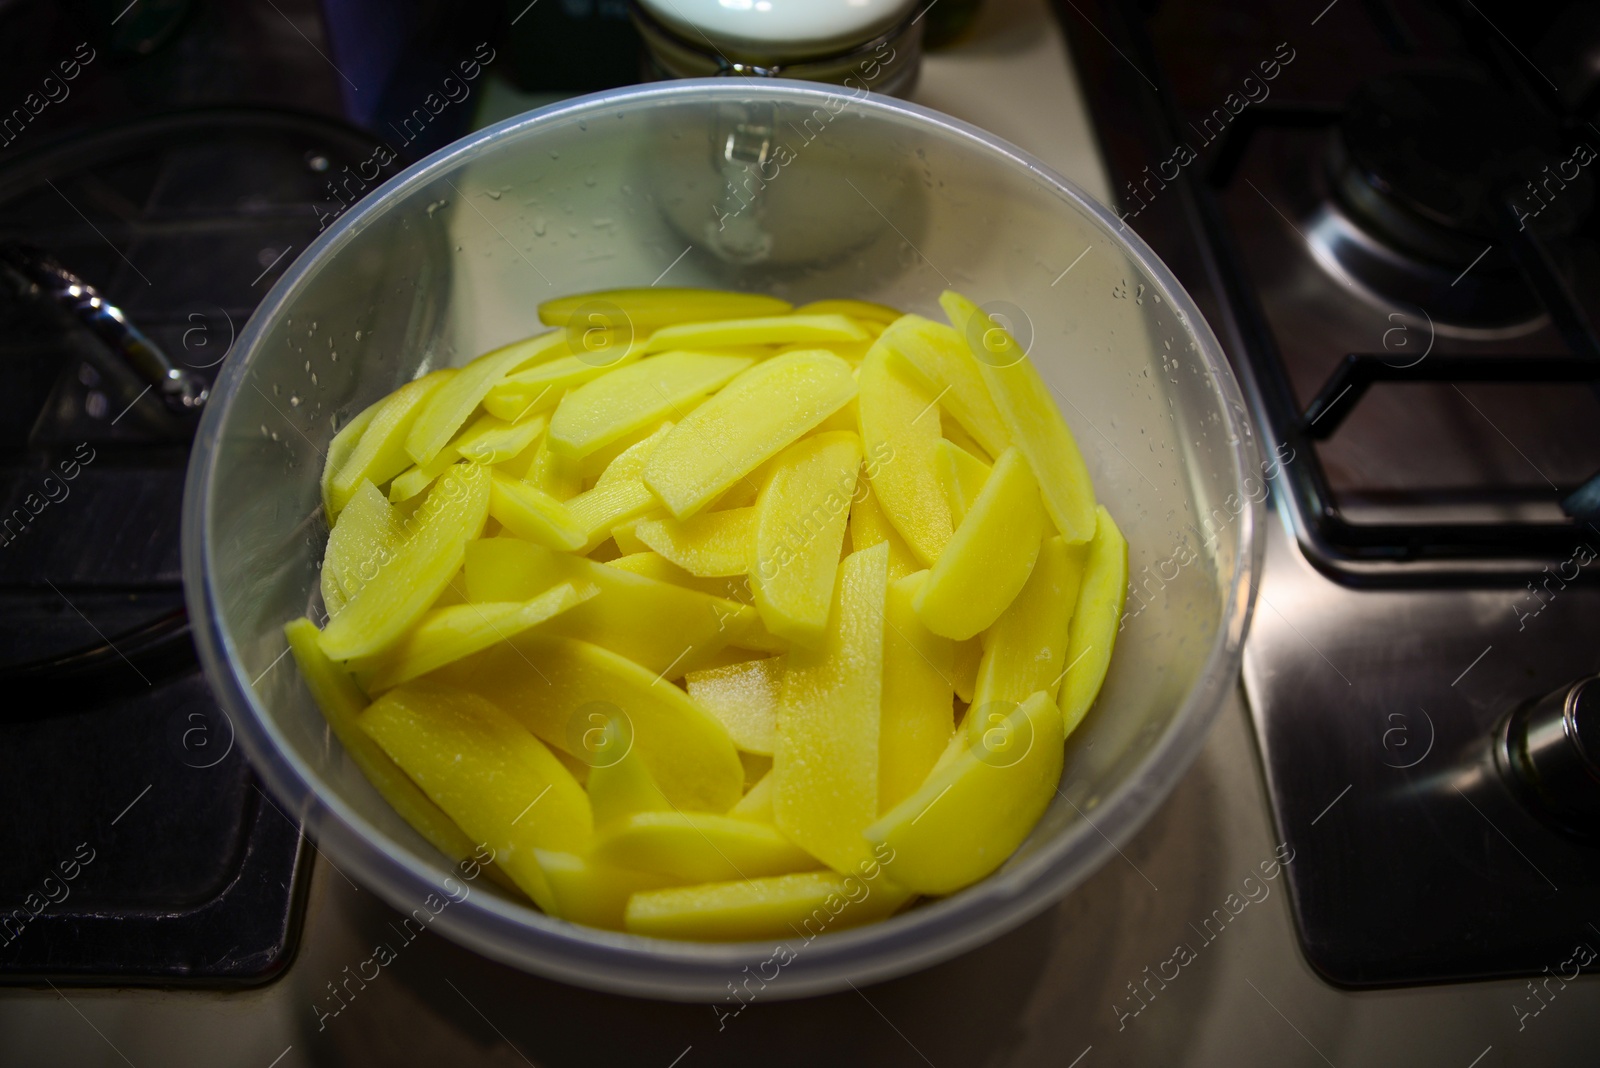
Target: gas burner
<point x="1427" y="170"/>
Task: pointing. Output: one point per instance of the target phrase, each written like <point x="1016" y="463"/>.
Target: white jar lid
<point x="774" y="30"/>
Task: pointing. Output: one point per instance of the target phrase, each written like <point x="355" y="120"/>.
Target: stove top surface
<point x="1371" y="208"/>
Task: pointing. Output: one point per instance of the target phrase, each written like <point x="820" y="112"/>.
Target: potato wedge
<point x="1096" y="620"/>
<point x="751" y="419"/>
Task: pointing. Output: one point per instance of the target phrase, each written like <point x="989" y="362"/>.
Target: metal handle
<point x="44" y="278"/>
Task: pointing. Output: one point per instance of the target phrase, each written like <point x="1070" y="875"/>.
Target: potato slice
<point x="491" y="440"/>
<point x="768" y="330"/>
<point x="648" y="309"/>
<point x="963" y="475"/>
<point x="869" y="527"/>
<point x="361" y="542"/>
<point x="1032" y="418"/>
<point x="619" y="782"/>
<point x="335" y="692"/>
<point x="943" y="364"/>
<point x="990" y="557"/>
<point x="700" y="847"/>
<point x="448" y="634"/>
<point x="900" y="424"/>
<point x="418" y="570"/>
<point x="556" y="475"/>
<point x="801" y="518"/>
<point x="542" y="388"/>
<point x="750" y="420"/>
<point x="619" y="494"/>
<point x="653" y="565"/>
<point x="340" y="449"/>
<point x="710" y="544"/>
<point x="750" y="909"/>
<point x="453" y="404"/>
<point x="964" y="670"/>
<point x="1096" y="619"/>
<point x="498" y="782"/>
<point x="1026" y="649"/>
<point x="973" y="812"/>
<point x="863" y="310"/>
<point x="553" y="686"/>
<point x="590" y="892"/>
<point x="529" y="512"/>
<point x="744" y="697"/>
<point x="381" y="453"/>
<point x="658" y="625"/>
<point x="825" y="758"/>
<point x="916" y="721"/>
<point x="756" y="804"/>
<point x="635" y="397"/>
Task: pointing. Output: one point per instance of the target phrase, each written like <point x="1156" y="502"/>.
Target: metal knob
<point x="1551" y="752"/>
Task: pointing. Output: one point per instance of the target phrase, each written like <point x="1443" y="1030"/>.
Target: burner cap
<point x="1422" y="156"/>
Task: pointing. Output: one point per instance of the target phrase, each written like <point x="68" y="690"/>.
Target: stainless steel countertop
<point x="1058" y="991"/>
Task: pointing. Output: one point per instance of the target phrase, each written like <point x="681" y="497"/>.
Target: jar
<point x="865" y="45"/>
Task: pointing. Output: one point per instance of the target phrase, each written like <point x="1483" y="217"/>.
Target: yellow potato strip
<point x="1032" y="418"/>
<point x="750" y="420"/>
<point x="825" y="760"/>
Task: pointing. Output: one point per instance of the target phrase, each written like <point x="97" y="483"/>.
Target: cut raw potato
<point x="658" y="625"/>
<point x="963" y="475"/>
<point x="861" y="310"/>
<point x="653" y="565"/>
<point x="972" y="813"/>
<point x="498" y="782"/>
<point x="381" y="453"/>
<point x="600" y="586"/>
<point x="964" y="673"/>
<point x="361" y="542"/>
<point x="699" y="847"/>
<point x="900" y="436"/>
<point x="751" y="419"/>
<point x="619" y="783"/>
<point x="744" y="696"/>
<point x="340" y="449"/>
<point x="342" y="703"/>
<point x="801" y="517"/>
<point x="416" y="573"/>
<point x="555" y="687"/>
<point x="1026" y="649"/>
<point x="710" y="545"/>
<point x="917" y="687"/>
<point x="448" y="634"/>
<point x="780" y="907"/>
<point x="453" y="404"/>
<point x="990" y="557"/>
<point x="648" y="309"/>
<point x="944" y="365"/>
<point x="756" y="804"/>
<point x="543" y="387"/>
<point x="490" y="440"/>
<point x="869" y="527"/>
<point x="1096" y="620"/>
<point x="635" y="397"/>
<point x="825" y="756"/>
<point x="1032" y="418"/>
<point x="769" y="330"/>
<point x="587" y="891"/>
<point x="619" y="495"/>
<point x="529" y="512"/>
<point x="556" y="475"/>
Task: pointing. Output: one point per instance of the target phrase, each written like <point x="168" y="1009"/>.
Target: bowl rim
<point x="525" y="938"/>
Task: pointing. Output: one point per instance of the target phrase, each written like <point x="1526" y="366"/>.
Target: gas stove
<point x="1386" y="211"/>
